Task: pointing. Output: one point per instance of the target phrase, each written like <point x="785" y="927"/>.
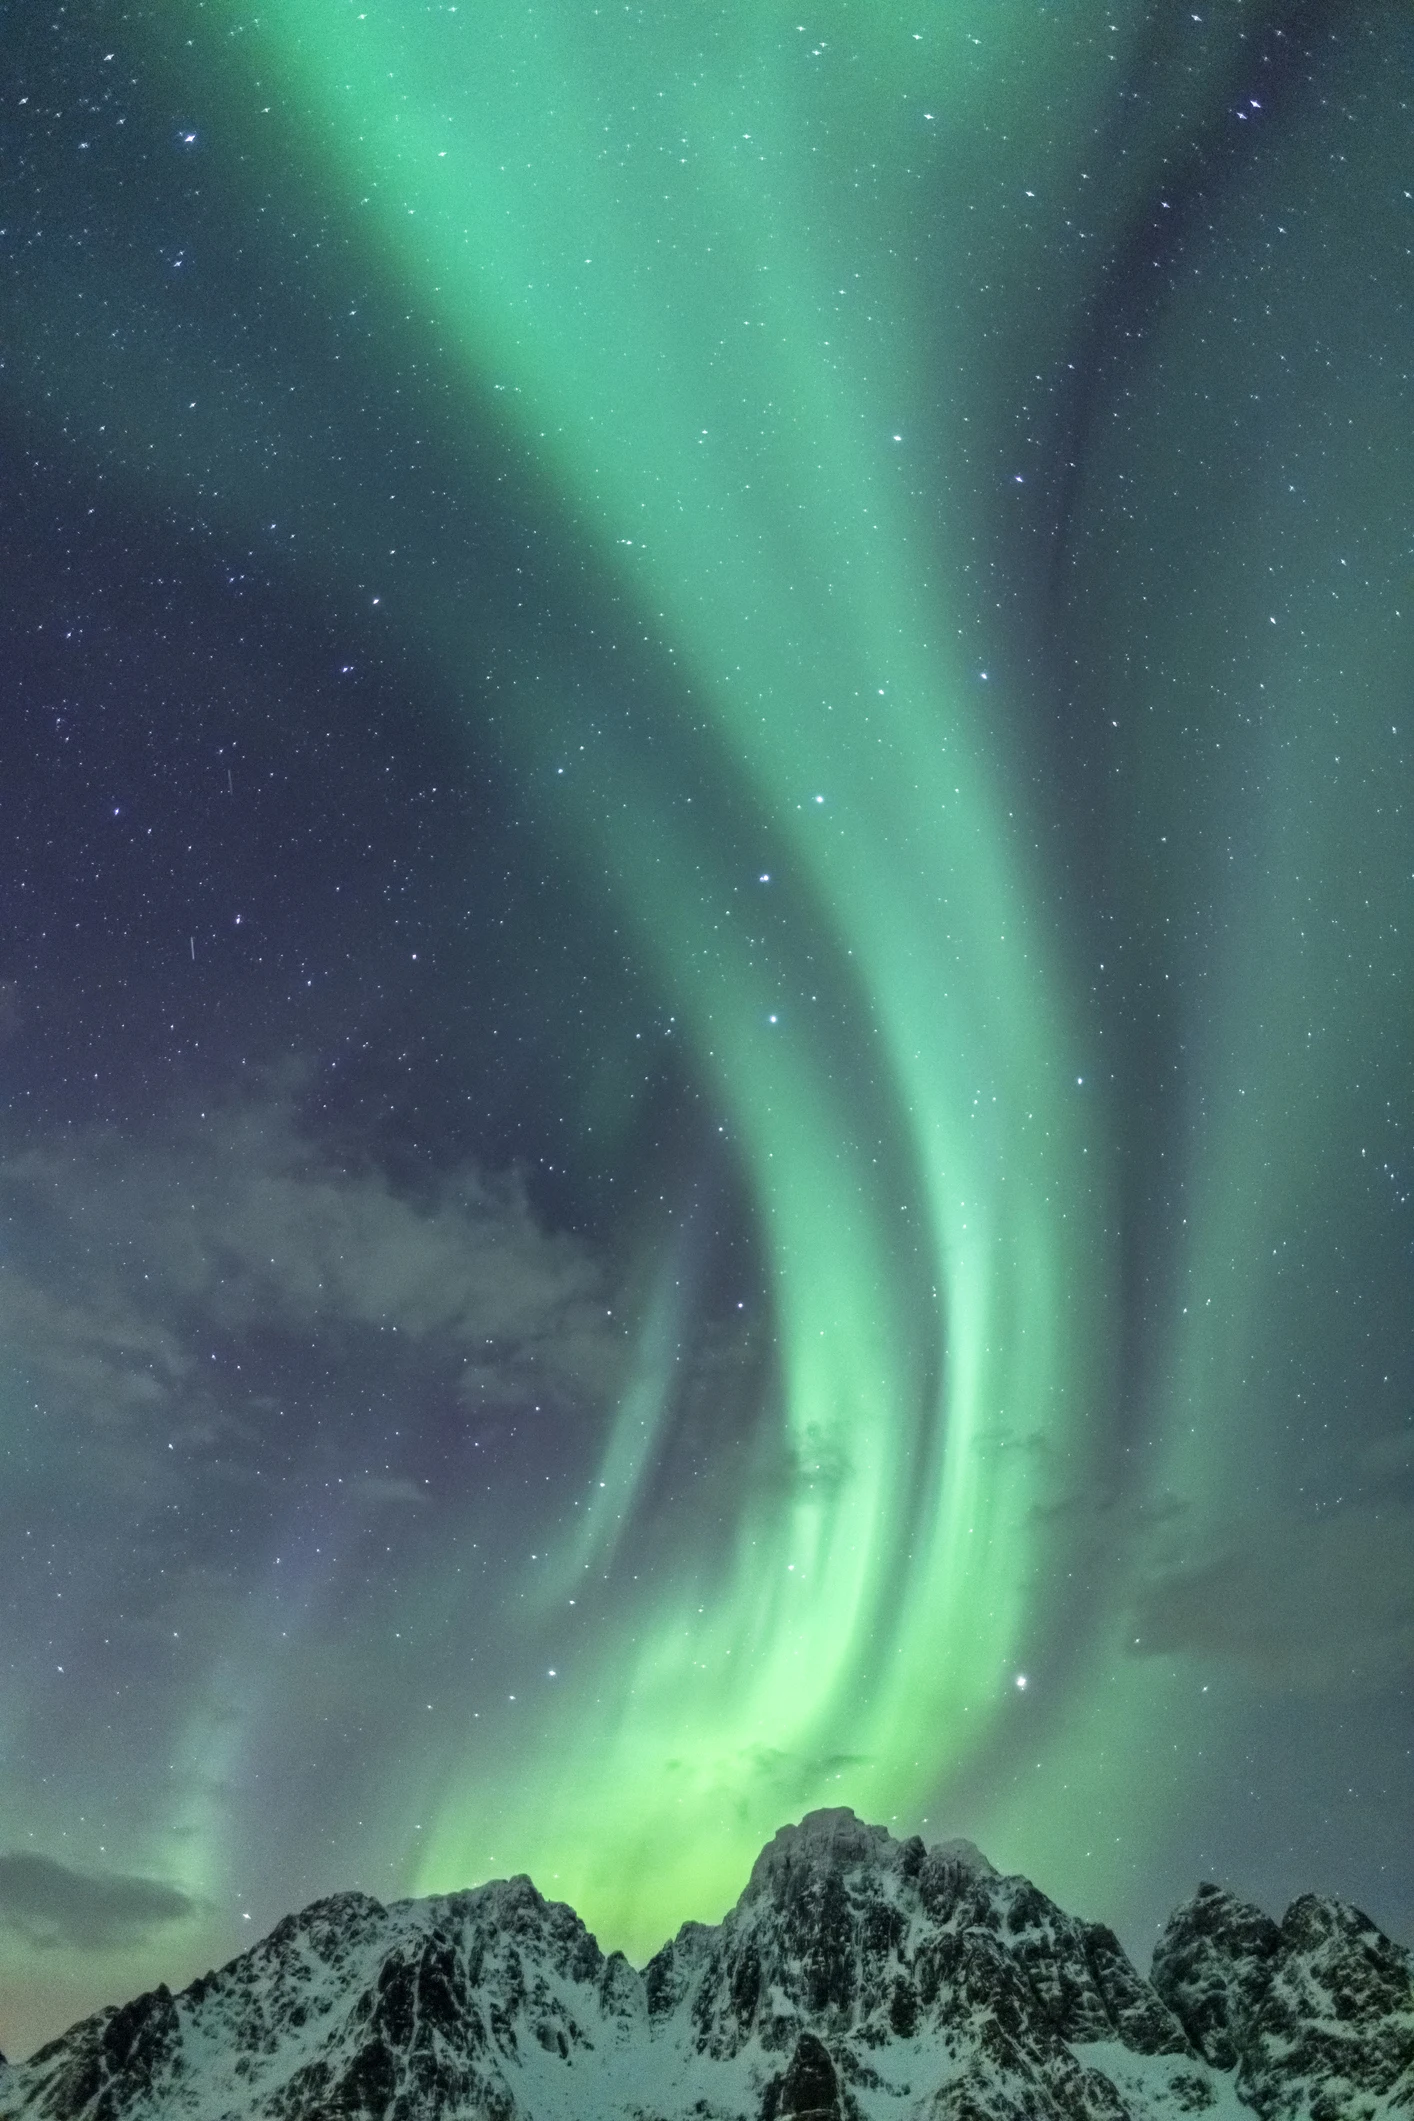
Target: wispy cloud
<point x="1316" y="1604"/>
<point x="379" y="1490"/>
<point x="52" y="1906"/>
<point x="139" y="1246"/>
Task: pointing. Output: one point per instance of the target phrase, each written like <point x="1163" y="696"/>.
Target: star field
<point x="705" y="990"/>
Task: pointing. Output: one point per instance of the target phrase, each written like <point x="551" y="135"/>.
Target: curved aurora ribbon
<point x="619" y="227"/>
<point x="746" y="337"/>
<point x="628" y="247"/>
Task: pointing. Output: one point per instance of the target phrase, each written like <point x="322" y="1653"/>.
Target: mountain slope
<point x="858" y="1978"/>
<point x="1314" y="2013"/>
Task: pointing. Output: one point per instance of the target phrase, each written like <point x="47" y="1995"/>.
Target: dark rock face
<point x="1210" y="1965"/>
<point x="809" y="2090"/>
<point x="1315" y="2014"/>
<point x="844" y="1931"/>
<point x="858" y="1978"/>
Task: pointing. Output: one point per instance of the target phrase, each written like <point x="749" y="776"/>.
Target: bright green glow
<point x="733" y="289"/>
<point x="766" y="318"/>
<point x="622" y="229"/>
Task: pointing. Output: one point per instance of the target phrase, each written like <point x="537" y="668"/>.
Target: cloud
<point x="1323" y="1604"/>
<point x="91" y="1346"/>
<point x="379" y="1488"/>
<point x="51" y="1906"/>
<point x="139" y="1246"/>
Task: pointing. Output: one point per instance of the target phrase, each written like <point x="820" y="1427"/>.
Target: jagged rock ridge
<point x="1313" y="2014"/>
<point x="859" y="1978"/>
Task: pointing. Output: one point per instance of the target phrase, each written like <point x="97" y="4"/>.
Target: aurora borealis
<point x="706" y="997"/>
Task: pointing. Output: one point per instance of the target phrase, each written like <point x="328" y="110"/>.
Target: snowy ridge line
<point x="858" y="1978"/>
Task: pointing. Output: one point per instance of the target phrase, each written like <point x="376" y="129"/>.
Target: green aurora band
<point x="627" y="236"/>
<point x="743" y="296"/>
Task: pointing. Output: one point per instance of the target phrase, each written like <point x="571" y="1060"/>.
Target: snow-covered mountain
<point x="858" y="1978"/>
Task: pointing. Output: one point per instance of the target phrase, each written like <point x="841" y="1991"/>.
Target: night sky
<point x="707" y="967"/>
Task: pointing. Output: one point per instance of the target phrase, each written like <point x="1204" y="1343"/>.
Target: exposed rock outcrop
<point x="857" y="1978"/>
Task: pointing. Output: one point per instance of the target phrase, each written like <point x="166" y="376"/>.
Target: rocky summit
<point x="858" y="1978"/>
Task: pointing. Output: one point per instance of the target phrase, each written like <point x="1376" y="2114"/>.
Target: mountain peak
<point x="858" y="1978"/>
<point x="836" y="1839"/>
<point x="833" y="1839"/>
<point x="965" y="1854"/>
